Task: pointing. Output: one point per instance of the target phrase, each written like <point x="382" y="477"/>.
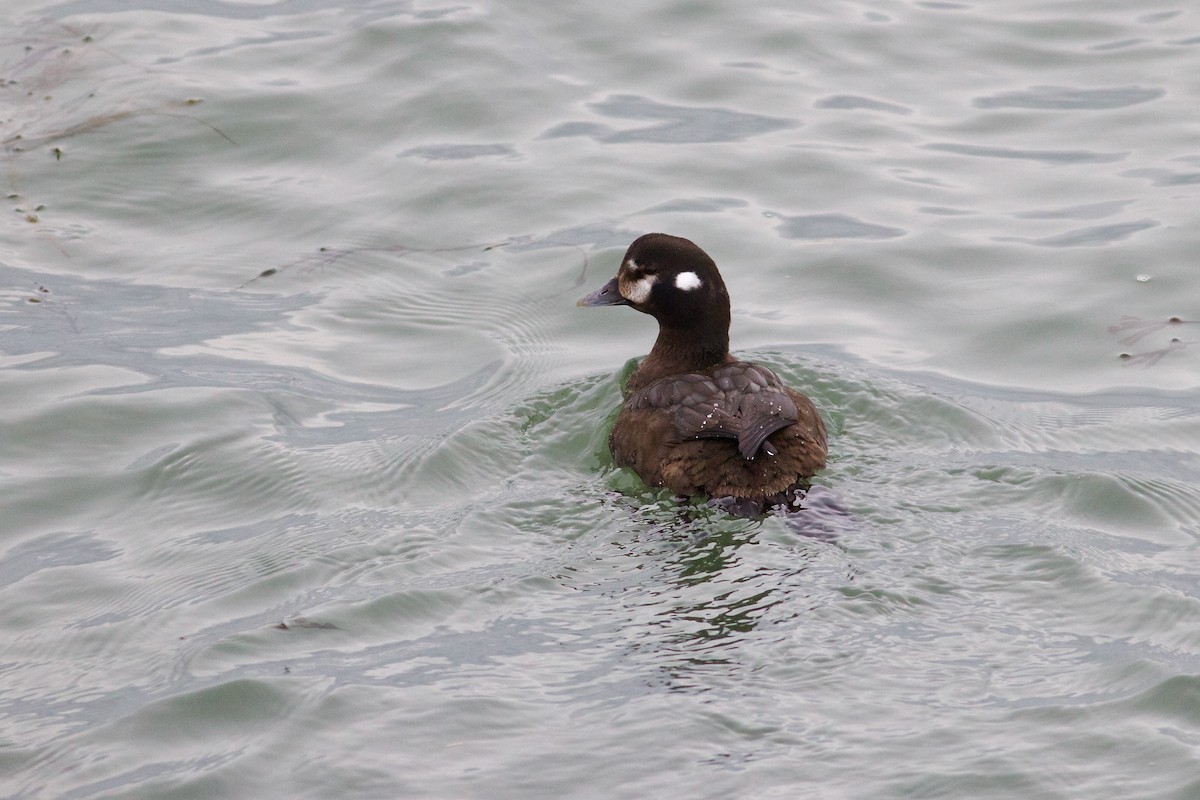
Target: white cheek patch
<point x="687" y="281"/>
<point x="638" y="291"/>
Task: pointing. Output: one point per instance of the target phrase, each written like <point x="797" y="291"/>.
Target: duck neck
<point x="677" y="350"/>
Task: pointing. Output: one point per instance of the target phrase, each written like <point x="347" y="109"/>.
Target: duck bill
<point x="606" y="295"/>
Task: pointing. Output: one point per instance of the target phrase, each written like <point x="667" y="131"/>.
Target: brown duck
<point x="696" y="420"/>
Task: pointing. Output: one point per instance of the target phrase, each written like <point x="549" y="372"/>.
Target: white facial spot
<point x="687" y="281"/>
<point x="639" y="290"/>
<point x="636" y="291"/>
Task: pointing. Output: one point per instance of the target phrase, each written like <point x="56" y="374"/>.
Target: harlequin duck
<point x="696" y="420"/>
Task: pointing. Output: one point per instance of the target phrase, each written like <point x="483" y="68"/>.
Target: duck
<point x="695" y="419"/>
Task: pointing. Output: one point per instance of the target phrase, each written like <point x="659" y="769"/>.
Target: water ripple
<point x="850" y="102"/>
<point x="1046" y="156"/>
<point x="833" y="226"/>
<point x="1083" y="211"/>
<point x="1093" y="236"/>
<point x="1067" y="98"/>
<point x="1165" y="177"/>
<point x="50" y="551"/>
<point x="675" y="124"/>
<point x="460" y="152"/>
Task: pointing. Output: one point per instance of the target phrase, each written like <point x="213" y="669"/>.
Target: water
<point x="305" y="489"/>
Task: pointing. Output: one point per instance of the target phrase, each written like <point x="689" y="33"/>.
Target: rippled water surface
<point x="303" y="439"/>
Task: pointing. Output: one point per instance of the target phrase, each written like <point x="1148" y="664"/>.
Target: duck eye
<point x="642" y="269"/>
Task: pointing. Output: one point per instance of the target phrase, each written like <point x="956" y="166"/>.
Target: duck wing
<point x="738" y="401"/>
<point x="761" y="415"/>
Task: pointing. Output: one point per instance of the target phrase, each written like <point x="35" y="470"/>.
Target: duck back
<point x="731" y="430"/>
